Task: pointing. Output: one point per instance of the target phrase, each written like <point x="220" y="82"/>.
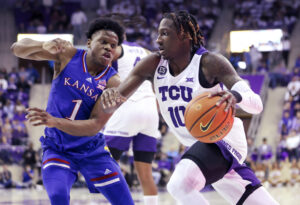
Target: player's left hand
<point x="38" y="117"/>
<point x="226" y="97"/>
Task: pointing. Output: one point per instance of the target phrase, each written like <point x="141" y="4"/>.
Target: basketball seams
<point x="216" y="127"/>
<point x="196" y="121"/>
<point x="213" y="130"/>
<point x="195" y="100"/>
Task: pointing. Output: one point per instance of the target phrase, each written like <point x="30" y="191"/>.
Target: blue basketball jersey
<point x="73" y="95"/>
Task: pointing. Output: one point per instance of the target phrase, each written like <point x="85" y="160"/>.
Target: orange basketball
<point x="205" y="121"/>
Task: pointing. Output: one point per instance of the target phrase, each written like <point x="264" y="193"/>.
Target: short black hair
<point x="186" y="23"/>
<point x="106" y="24"/>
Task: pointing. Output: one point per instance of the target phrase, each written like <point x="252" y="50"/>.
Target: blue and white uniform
<point x="137" y="119"/>
<point x="73" y="95"/>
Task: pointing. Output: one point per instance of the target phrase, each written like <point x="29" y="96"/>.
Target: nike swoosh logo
<point x="205" y="128"/>
<point x="160" y="77"/>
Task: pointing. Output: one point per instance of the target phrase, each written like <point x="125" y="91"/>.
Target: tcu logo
<point x="174" y="93"/>
<point x="162" y="70"/>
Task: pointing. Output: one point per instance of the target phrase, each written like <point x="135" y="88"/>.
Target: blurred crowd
<point x="276" y="168"/>
<point x="265" y="14"/>
<point x="58" y="16"/>
<point x="281" y="166"/>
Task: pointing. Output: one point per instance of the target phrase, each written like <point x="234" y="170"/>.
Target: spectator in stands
<point x="297" y="62"/>
<point x="7" y="131"/>
<point x="6" y="177"/>
<point x="292" y="144"/>
<point x="262" y="68"/>
<point x="18" y="136"/>
<point x="286" y="45"/>
<point x="293" y="90"/>
<point x="274" y="177"/>
<point x="285" y="123"/>
<point x="295" y="109"/>
<point x="40" y="28"/>
<point x="3" y="82"/>
<point x="265" y="151"/>
<point x="28" y="176"/>
<point x="296" y="120"/>
<point x="23" y="97"/>
<point x="2" y="100"/>
<point x="279" y="76"/>
<point x="255" y="56"/>
<point x="281" y="150"/>
<point x="77" y="19"/>
<point x="29" y="156"/>
<point x="23" y="84"/>
<point x="19" y="107"/>
<point x="260" y="171"/>
<point x="295" y="72"/>
<point x="254" y="155"/>
<point x="295" y="172"/>
<point x="32" y="74"/>
<point x="9" y="109"/>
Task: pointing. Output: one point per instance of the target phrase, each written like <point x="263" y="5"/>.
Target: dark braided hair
<point x="186" y="25"/>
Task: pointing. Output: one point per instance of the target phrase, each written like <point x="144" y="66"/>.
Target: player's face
<point x="168" y="39"/>
<point x="103" y="45"/>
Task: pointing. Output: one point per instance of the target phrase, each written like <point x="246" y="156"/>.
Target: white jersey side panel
<point x="139" y="113"/>
<point x="173" y="95"/>
<point x="132" y="54"/>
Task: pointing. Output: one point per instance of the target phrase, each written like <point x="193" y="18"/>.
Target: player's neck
<point x="178" y="64"/>
<point x="94" y="68"/>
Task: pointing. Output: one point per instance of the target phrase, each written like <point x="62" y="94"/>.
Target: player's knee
<point x="186" y="178"/>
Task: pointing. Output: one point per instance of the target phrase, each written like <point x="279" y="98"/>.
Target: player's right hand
<point x="56" y="46"/>
<point x="38" y="117"/>
<point x="111" y="99"/>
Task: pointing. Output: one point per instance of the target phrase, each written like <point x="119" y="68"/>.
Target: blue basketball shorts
<point x="101" y="172"/>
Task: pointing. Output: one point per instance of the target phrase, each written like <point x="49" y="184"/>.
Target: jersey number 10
<point x="175" y="115"/>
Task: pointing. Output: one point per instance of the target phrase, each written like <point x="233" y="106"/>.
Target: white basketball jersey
<point x="133" y="53"/>
<point x="173" y="95"/>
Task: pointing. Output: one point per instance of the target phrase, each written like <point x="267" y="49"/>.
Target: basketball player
<point x="72" y="142"/>
<point x="182" y="70"/>
<point x="136" y="121"/>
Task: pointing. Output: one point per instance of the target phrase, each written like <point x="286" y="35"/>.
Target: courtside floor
<point x="81" y="196"/>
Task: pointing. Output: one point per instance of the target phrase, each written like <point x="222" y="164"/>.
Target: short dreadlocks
<point x="186" y="24"/>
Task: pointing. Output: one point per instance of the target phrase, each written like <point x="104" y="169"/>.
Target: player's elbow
<point x="257" y="109"/>
<point x="12" y="48"/>
<point x="16" y="49"/>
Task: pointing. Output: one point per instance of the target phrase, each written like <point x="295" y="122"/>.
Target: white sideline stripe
<point x="57" y="164"/>
<point x="107" y="183"/>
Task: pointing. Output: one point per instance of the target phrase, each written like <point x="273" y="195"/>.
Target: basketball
<point x="205" y="121"/>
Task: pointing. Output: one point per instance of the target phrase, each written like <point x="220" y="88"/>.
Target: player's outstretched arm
<point x="111" y="99"/>
<point x="56" y="49"/>
<point x="217" y="68"/>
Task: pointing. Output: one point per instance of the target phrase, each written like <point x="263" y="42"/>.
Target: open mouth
<point x="107" y="55"/>
<point x="161" y="50"/>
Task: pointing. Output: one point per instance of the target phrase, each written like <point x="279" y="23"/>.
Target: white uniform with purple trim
<point x="139" y="113"/>
<point x="173" y="95"/>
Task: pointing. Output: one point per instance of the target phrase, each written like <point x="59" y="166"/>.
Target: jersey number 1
<point x="75" y="109"/>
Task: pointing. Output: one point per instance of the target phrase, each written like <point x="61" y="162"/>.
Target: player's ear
<point x="89" y="43"/>
<point x="184" y="37"/>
